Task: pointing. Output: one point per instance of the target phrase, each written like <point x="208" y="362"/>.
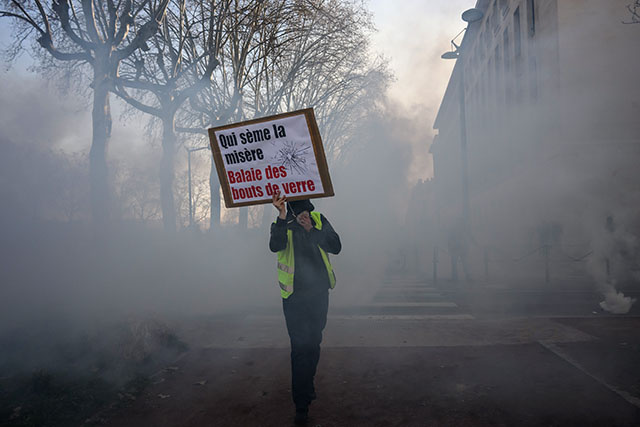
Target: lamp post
<point x="189" y="151"/>
<point x="469" y="16"/>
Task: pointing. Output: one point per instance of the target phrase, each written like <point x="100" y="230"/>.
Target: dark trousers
<point x="306" y="318"/>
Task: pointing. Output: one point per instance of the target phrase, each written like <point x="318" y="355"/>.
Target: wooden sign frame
<point x="316" y="142"/>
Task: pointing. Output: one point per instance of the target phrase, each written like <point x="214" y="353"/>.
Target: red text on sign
<point x="247" y="193"/>
<point x="298" y="186"/>
<point x="244" y="176"/>
<point x="275" y="172"/>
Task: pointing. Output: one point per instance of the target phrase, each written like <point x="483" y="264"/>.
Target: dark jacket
<point x="310" y="276"/>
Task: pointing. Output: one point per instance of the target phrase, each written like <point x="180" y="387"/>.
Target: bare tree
<point x="200" y="199"/>
<point x="178" y="63"/>
<point x="222" y="101"/>
<point x="633" y="9"/>
<point x="70" y="197"/>
<point x="137" y="194"/>
<point x="326" y="66"/>
<point x="38" y="184"/>
<point x="286" y="55"/>
<point x="95" y="34"/>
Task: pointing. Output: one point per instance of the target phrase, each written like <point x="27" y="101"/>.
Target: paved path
<point x="410" y="356"/>
<point x="401" y="313"/>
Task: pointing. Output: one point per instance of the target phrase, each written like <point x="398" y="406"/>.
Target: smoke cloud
<point x="550" y="188"/>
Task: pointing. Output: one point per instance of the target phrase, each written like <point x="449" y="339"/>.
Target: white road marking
<point x="398" y="288"/>
<point x="412" y="304"/>
<point x="280" y="317"/>
<point x="564" y="356"/>
<point x="402" y="317"/>
<point x="410" y="294"/>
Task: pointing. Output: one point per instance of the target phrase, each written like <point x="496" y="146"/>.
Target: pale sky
<point x="413" y="34"/>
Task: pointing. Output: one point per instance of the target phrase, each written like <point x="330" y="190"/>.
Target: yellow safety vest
<point x="286" y="265"/>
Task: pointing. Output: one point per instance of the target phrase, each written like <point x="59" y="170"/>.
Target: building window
<point x="482" y="48"/>
<point x="495" y="24"/>
<point x="504" y="6"/>
<point x="498" y="74"/>
<point x="517" y="40"/>
<point x="533" y="78"/>
<point x="531" y="17"/>
<point x="491" y="94"/>
<point x="507" y="65"/>
<point x="484" y="104"/>
<point x="487" y="41"/>
<point x="507" y="57"/>
<point x="517" y="47"/>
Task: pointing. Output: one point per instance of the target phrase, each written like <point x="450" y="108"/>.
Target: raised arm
<point x="278" y="240"/>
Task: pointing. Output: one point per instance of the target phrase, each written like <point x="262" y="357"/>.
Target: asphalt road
<point x="414" y="355"/>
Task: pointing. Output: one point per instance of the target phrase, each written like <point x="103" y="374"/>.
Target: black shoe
<point x="302" y="416"/>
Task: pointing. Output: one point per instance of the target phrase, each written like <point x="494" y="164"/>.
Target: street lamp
<point x="469" y="16"/>
<point x="472" y="15"/>
<point x="189" y="151"/>
<point x="450" y="55"/>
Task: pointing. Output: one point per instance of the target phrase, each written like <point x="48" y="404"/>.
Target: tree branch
<point x="633" y="10"/>
<point x="61" y="8"/>
<point x="113" y="19"/>
<point x="191" y="130"/>
<point x="42" y="13"/>
<point x="45" y="41"/>
<point x="126" y="19"/>
<point x="146" y="32"/>
<point x="119" y="90"/>
<point x="90" y="20"/>
<point x="103" y="21"/>
<point x="27" y="19"/>
<point x="201" y="83"/>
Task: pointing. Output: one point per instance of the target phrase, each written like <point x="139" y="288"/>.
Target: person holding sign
<point x="302" y="239"/>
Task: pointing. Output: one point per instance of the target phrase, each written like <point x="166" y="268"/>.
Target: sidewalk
<point x="525" y="372"/>
<point x="412" y="355"/>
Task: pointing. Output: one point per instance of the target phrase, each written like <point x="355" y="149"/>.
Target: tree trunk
<point x="101" y="120"/>
<point x="214" y="191"/>
<point x="167" y="172"/>
<point x="268" y="215"/>
<point x="243" y="221"/>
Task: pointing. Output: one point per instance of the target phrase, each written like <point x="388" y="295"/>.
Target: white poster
<point x="260" y="158"/>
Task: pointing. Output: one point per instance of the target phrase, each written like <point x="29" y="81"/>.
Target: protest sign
<point x="257" y="158"/>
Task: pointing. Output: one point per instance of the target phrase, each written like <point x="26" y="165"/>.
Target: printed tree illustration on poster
<point x="256" y="159"/>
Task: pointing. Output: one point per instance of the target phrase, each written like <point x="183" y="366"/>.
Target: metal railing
<point x="548" y="255"/>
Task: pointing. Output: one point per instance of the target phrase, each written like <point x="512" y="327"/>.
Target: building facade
<point x="548" y="96"/>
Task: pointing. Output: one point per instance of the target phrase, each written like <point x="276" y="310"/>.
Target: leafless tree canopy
<point x="286" y="55"/>
<point x="282" y="55"/>
<point x="193" y="64"/>
<point x="178" y="60"/>
<point x="175" y="63"/>
<point x="634" y="10"/>
<point x="87" y="32"/>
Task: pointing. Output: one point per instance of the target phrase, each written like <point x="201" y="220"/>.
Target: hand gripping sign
<point x="257" y="158"/>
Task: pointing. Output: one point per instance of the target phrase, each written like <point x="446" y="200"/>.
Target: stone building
<point x="551" y="110"/>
